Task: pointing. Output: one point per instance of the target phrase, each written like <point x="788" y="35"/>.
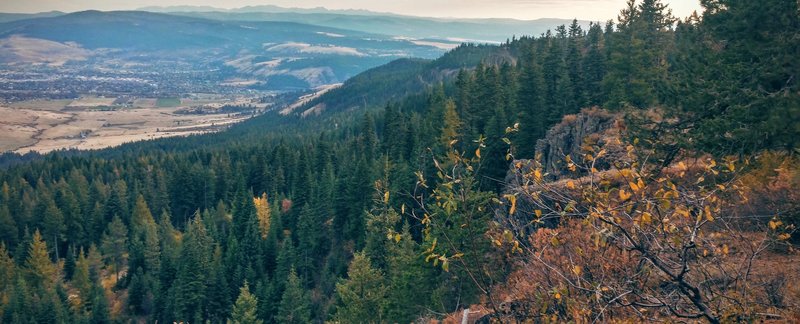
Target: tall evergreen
<point x="362" y="296"/>
<point x="192" y="273"/>
<point x="245" y="308"/>
<point x="295" y="306"/>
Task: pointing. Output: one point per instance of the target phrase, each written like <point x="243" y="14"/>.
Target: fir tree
<point x="115" y="244"/>
<point x="245" y="309"/>
<point x="362" y="296"/>
<point x="295" y="306"/>
<point x="192" y="273"/>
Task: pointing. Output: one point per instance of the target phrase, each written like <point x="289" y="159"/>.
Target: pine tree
<point x="408" y="277"/>
<point x="9" y="233"/>
<point x="145" y="249"/>
<point x="380" y="222"/>
<point x="295" y="306"/>
<point x="638" y="64"/>
<point x="74" y="219"/>
<point x="115" y="244"/>
<point x="218" y="295"/>
<point x="192" y="273"/>
<point x="52" y="223"/>
<point x="452" y="125"/>
<point x="81" y="279"/>
<point x="41" y="272"/>
<point x="745" y="55"/>
<point x="245" y="309"/>
<point x="247" y="233"/>
<point x="7" y="272"/>
<point x="533" y="121"/>
<point x="309" y="242"/>
<point x="362" y="296"/>
<point x="594" y="68"/>
<point x="137" y="292"/>
<point x="100" y="312"/>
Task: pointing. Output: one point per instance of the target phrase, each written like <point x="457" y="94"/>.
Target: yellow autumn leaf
<point x="624" y="196"/>
<point x="557" y="295"/>
<point x="572" y="167"/>
<point x="725" y="249"/>
<point x="478" y="153"/>
<point x="537" y="175"/>
<point x="709" y="216"/>
<point x="633" y="186"/>
<point x="538" y="213"/>
<point x="386" y="197"/>
<point x="513" y="200"/>
<point x="646" y="218"/>
<point x="577" y="270"/>
<point x="571" y="185"/>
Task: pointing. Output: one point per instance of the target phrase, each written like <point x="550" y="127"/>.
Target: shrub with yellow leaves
<point x="636" y="240"/>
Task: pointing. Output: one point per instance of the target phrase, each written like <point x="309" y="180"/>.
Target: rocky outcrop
<point x="575" y="136"/>
<point x="588" y="132"/>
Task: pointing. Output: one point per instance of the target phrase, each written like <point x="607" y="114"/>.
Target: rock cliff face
<point x="575" y="136"/>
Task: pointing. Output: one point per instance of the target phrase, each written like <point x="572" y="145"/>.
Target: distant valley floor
<point x="93" y="123"/>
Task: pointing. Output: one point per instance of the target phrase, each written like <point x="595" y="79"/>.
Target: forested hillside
<point x="438" y="201"/>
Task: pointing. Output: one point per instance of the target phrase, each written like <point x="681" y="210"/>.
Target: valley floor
<point x="44" y="126"/>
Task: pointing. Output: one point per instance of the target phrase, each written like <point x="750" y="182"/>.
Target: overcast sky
<point x="520" y="9"/>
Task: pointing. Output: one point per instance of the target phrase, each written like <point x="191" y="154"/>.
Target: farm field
<point x="48" y="125"/>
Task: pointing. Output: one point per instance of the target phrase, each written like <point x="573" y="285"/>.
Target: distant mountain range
<point x="8" y="17"/>
<point x="456" y="29"/>
<point x="276" y="53"/>
<point x="268" y="46"/>
<point x="470" y="30"/>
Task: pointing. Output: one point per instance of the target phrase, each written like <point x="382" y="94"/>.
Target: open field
<point x="43" y="104"/>
<point x="168" y="102"/>
<point x="91" y="102"/>
<point x="45" y="126"/>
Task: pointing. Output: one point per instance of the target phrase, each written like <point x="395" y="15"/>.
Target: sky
<point x="597" y="10"/>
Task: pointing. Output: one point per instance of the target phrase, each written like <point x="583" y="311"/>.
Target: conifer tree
<point x="52" y="223"/>
<point x="82" y="280"/>
<point x="137" y="292"/>
<point x="408" y="285"/>
<point x="295" y="307"/>
<point x="7" y="272"/>
<point x="245" y="309"/>
<point x="115" y="244"/>
<point x="533" y="117"/>
<point x="309" y="242"/>
<point x="362" y="296"/>
<point x="451" y="124"/>
<point x="9" y="233"/>
<point x="41" y="272"/>
<point x="192" y="273"/>
<point x="218" y="294"/>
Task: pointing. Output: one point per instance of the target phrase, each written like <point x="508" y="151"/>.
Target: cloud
<point x="292" y="47"/>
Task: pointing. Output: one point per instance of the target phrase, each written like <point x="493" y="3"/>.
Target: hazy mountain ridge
<point x="8" y="17"/>
<point x="476" y="30"/>
<point x="300" y="51"/>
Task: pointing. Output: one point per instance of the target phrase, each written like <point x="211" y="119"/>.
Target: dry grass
<point x="40" y="126"/>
